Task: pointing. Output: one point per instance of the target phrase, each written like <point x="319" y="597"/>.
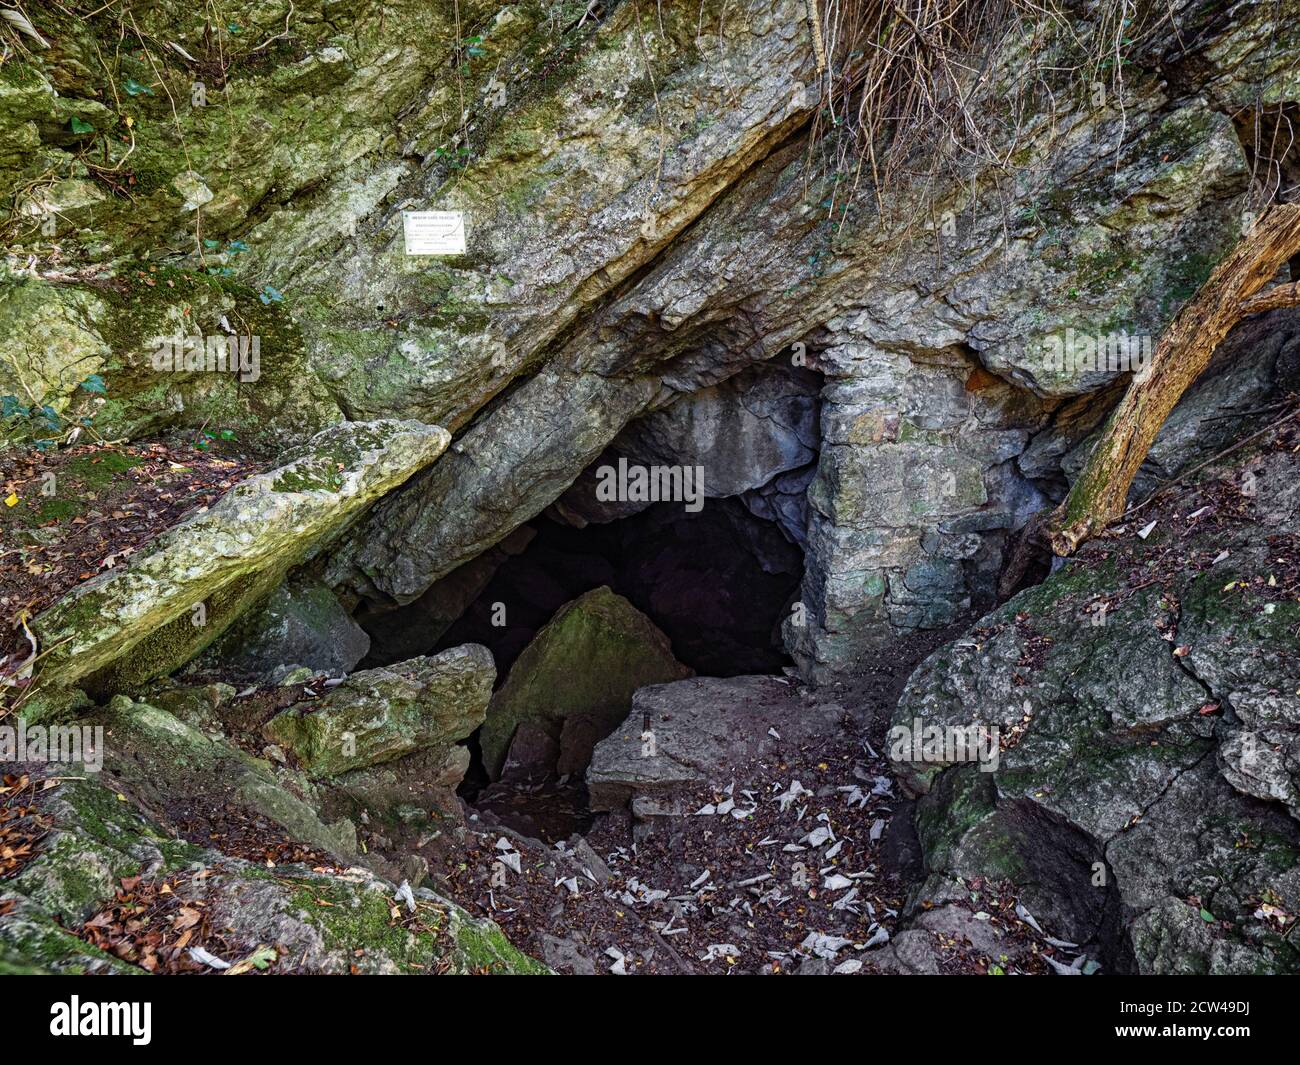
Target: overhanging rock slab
<point x="226" y="558"/>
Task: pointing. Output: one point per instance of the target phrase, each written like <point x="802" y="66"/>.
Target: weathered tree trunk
<point x="1231" y="293"/>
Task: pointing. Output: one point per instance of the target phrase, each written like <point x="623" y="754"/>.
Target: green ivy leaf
<point x="94" y="383"/>
<point x="1206" y="915"/>
<point x="134" y="88"/>
<point x="80" y="126"/>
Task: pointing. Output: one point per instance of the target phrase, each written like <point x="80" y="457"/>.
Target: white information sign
<point x="434" y="232"/>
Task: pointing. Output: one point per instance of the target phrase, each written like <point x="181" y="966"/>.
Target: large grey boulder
<point x="1144" y="703"/>
<point x="302" y="623"/>
<point x="697" y="731"/>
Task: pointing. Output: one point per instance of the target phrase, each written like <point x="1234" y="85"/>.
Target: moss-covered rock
<point x="380" y="714"/>
<point x="160" y="758"/>
<point x="140" y="620"/>
<point x="96" y="839"/>
<point x="1142" y="702"/>
<point x="301" y="623"/>
<point x="88" y="351"/>
<point x="320" y="920"/>
<point x="585" y="664"/>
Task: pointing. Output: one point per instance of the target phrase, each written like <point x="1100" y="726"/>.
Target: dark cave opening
<point x="717" y="582"/>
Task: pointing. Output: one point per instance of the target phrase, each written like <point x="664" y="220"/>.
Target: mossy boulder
<point x="321" y="920"/>
<point x="1143" y="704"/>
<point x="169" y="763"/>
<point x="49" y="345"/>
<point x="140" y="620"/>
<point x="581" y="669"/>
<point x="380" y="714"/>
<point x="55" y="335"/>
<point x="97" y="837"/>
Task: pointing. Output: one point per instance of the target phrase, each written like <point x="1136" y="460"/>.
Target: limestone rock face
<point x="756" y="436"/>
<point x="642" y="224"/>
<point x="744" y="432"/>
<point x="228" y="557"/>
<point x="54" y="335"/>
<point x="915" y="491"/>
<point x="378" y="715"/>
<point x="586" y="663"/>
<point x="1141" y="721"/>
<point x="48" y="346"/>
<point x="908" y="516"/>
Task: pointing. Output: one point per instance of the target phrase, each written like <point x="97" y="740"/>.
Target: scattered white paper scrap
<point x="510" y="859"/>
<point x="1028" y="918"/>
<point x="202" y="956"/>
<point x="824" y="946"/>
<point x="1145" y="531"/>
<point x="787" y="798"/>
<point x="404" y="894"/>
<point x="1074" y="969"/>
<point x="847" y="968"/>
<point x="879" y="939"/>
<point x="434" y="232"/>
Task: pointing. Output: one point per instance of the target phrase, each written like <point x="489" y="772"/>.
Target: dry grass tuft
<point x="939" y="90"/>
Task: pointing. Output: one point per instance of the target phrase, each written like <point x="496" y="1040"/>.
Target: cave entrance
<point x="715" y="569"/>
<point x="717" y="582"/>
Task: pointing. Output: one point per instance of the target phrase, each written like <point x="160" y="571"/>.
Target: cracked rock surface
<point x="1146" y="699"/>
